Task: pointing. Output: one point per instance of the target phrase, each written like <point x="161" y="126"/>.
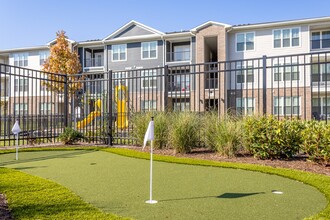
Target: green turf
<point x="119" y="185"/>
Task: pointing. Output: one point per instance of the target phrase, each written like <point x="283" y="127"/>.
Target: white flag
<point x="149" y="134"/>
<point x="16" y="129"/>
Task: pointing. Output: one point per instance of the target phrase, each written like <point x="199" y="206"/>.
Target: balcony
<point x="181" y="56"/>
<point x="94" y="62"/>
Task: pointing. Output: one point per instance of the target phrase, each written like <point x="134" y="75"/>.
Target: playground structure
<point x="121" y="101"/>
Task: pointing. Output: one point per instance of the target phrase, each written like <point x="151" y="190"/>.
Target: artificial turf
<point x="120" y="185"/>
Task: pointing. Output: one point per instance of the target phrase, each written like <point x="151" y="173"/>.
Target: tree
<point x="62" y="61"/>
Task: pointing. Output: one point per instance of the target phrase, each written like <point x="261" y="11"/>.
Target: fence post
<point x="166" y="108"/>
<point x="110" y="107"/>
<point x="264" y="84"/>
<point x="66" y="103"/>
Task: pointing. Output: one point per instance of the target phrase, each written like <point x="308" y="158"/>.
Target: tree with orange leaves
<point x="62" y="61"/>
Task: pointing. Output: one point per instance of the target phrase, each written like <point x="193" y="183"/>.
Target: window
<point x="321" y="107"/>
<point x="45" y="108"/>
<point x="286" y="72"/>
<point x="181" y="105"/>
<point x="148" y="105"/>
<point x="149" y="50"/>
<point x="320" y="39"/>
<point x="119" y="52"/>
<point x="244" y="75"/>
<point x="148" y="79"/>
<point x="244" y="41"/>
<point x="286" y="37"/>
<point x="21" y="59"/>
<point x="289" y="105"/>
<point x="181" y="53"/>
<point x="244" y="106"/>
<point x="43" y="56"/>
<point x="179" y="80"/>
<point x="119" y="78"/>
<point x="21" y="85"/>
<point x="21" y="109"/>
<point x="320" y="72"/>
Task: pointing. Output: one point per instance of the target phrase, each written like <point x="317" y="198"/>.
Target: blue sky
<point x="26" y="23"/>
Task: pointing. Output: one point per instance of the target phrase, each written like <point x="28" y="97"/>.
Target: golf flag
<point x="16" y="129"/>
<point x="149" y="136"/>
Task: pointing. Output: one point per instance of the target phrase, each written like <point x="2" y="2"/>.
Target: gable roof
<point x="209" y="23"/>
<point x="54" y="42"/>
<point x="126" y="27"/>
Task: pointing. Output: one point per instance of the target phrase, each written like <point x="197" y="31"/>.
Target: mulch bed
<point x="4" y="210"/>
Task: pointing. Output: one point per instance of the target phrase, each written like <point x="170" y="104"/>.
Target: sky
<point x="28" y="23"/>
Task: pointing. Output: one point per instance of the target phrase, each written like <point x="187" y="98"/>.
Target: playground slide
<point x="86" y="121"/>
<point x="121" y="99"/>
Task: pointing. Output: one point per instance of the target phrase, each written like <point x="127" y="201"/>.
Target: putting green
<point x="120" y="185"/>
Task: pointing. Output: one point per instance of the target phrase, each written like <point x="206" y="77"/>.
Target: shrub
<point x="316" y="141"/>
<point x="184" y="131"/>
<point x="70" y="136"/>
<point x="162" y="121"/>
<point x="267" y="137"/>
<point x="223" y="135"/>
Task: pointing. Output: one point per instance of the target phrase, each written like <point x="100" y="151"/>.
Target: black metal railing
<point x="94" y="62"/>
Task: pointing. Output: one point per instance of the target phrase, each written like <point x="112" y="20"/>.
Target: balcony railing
<point x="179" y="87"/>
<point x="178" y="56"/>
<point x="211" y="83"/>
<point x="94" y="62"/>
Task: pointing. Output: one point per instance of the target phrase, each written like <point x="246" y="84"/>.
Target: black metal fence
<point x="102" y="104"/>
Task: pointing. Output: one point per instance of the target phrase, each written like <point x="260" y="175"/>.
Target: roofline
<point x="23" y="49"/>
<point x="279" y="23"/>
<point x="52" y="41"/>
<point x="132" y="38"/>
<point x="129" y="24"/>
<point x="209" y="23"/>
<point x="179" y="34"/>
<point x="83" y="43"/>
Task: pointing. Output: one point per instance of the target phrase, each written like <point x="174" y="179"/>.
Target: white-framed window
<point x="244" y="74"/>
<point x="119" y="52"/>
<point x="181" y="105"/>
<point x="244" y="41"/>
<point x="21" y="85"/>
<point x="320" y="39"/>
<point x="148" y="105"/>
<point x="289" y="37"/>
<point x="119" y="78"/>
<point x="21" y="109"/>
<point x="149" y="50"/>
<point x="43" y="55"/>
<point x="320" y="72"/>
<point x="289" y="105"/>
<point x="148" y="79"/>
<point x="321" y="107"/>
<point x="245" y="106"/>
<point x="45" y="108"/>
<point x="181" y="53"/>
<point x="286" y="72"/>
<point x="21" y="59"/>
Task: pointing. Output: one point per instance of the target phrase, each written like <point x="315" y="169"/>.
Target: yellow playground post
<point x="121" y="99"/>
<point x="91" y="116"/>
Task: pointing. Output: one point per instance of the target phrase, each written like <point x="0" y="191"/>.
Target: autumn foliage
<point x="65" y="62"/>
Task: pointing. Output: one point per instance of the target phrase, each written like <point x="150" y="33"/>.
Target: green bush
<point x="184" y="131"/>
<point x="268" y="138"/>
<point x="70" y="136"/>
<point x="223" y="135"/>
<point x="162" y="121"/>
<point x="316" y="141"/>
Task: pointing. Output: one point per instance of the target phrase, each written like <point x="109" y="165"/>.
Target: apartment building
<point x="278" y="68"/>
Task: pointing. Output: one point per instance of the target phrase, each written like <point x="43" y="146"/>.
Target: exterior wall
<point x="264" y="45"/>
<point x="201" y="57"/>
<point x="134" y="57"/>
<point x="33" y="59"/>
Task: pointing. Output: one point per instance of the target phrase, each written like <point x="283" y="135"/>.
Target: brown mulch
<point x="298" y="163"/>
<point x="4" y="210"/>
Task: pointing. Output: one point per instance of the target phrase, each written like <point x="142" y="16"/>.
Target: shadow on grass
<point x="68" y="154"/>
<point x="28" y="168"/>
<point x="223" y="196"/>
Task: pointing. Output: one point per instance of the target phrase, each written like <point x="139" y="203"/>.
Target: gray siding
<point x="133" y="31"/>
<point x="134" y="59"/>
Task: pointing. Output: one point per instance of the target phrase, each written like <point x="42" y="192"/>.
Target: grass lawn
<point x="120" y="185"/>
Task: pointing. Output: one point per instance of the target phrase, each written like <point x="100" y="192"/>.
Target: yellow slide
<point x="121" y="98"/>
<point x="86" y="121"/>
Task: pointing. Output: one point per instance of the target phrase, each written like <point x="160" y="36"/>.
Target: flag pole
<point x="150" y="201"/>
